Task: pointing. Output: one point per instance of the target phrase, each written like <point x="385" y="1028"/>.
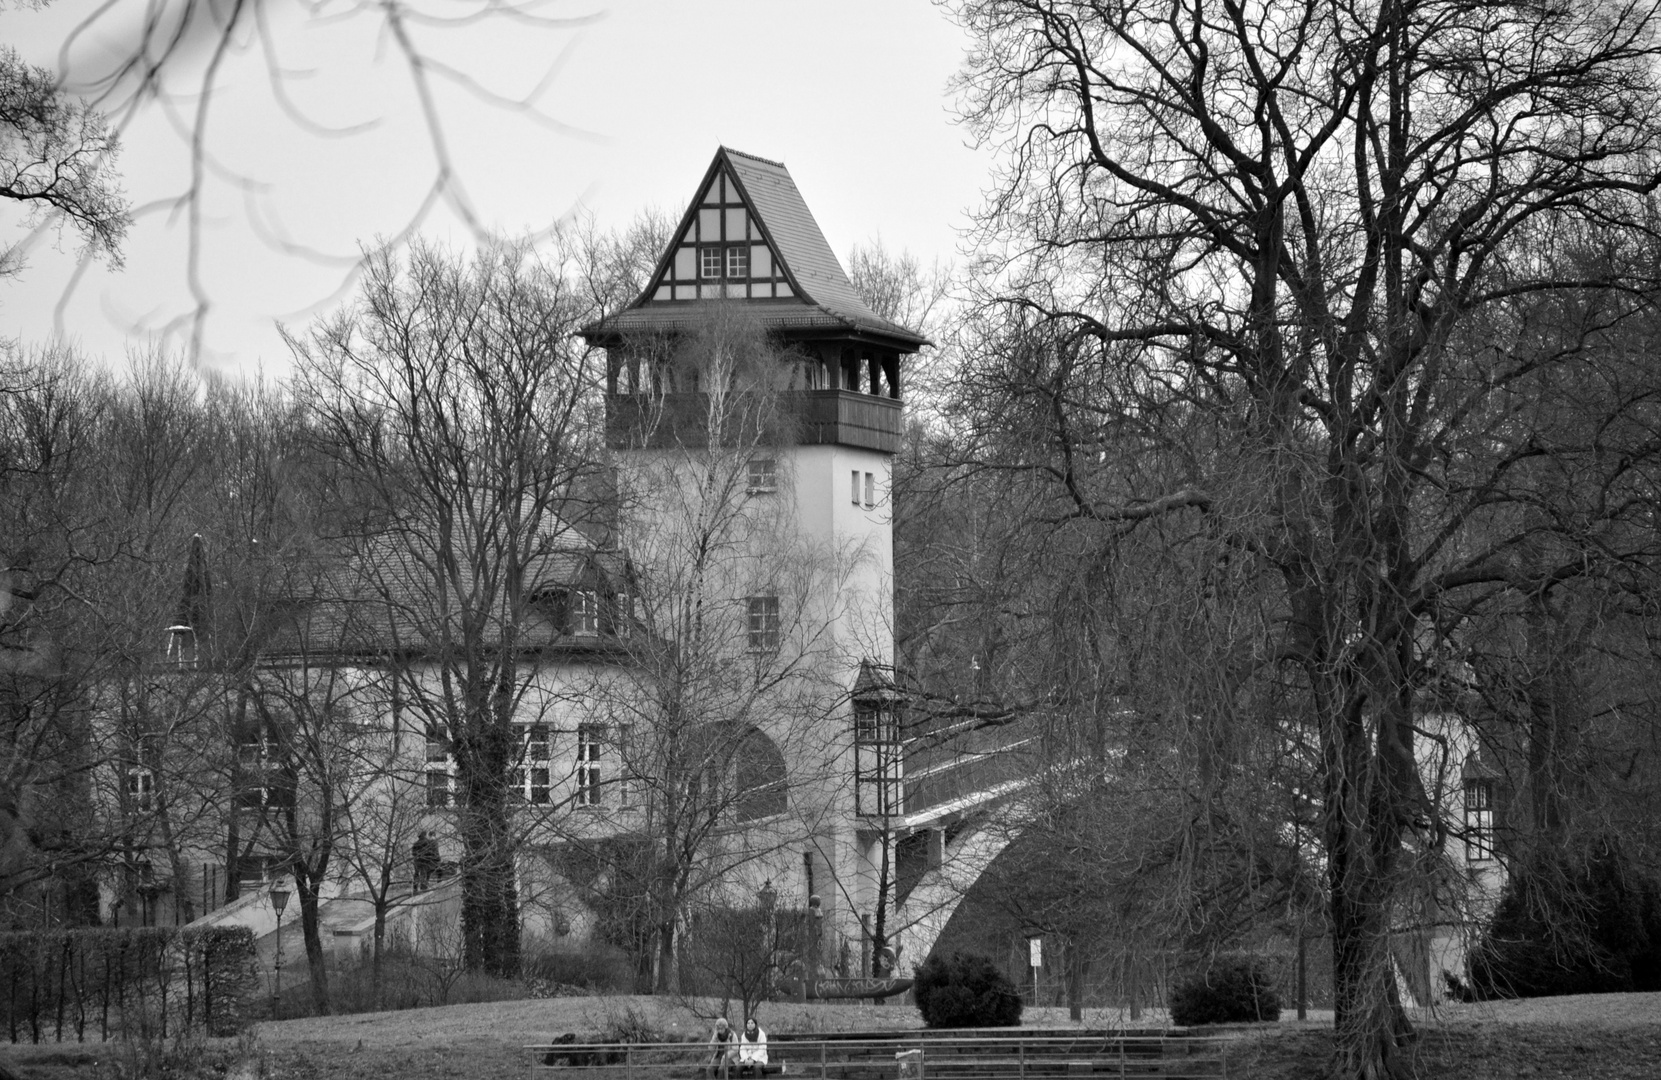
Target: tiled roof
<point x="385" y="597"/>
<point x="825" y="300"/>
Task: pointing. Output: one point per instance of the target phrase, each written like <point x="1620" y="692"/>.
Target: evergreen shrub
<point x="1590" y="926"/>
<point x="965" y="990"/>
<point x="1231" y="991"/>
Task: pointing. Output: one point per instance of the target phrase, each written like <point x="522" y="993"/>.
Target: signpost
<point x="1035" y="957"/>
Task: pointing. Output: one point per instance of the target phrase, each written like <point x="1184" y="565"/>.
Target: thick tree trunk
<point x="489" y="889"/>
<point x="1369" y="798"/>
<point x="489" y="898"/>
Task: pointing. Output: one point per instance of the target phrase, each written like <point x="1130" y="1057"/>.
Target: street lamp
<point x="768" y="898"/>
<point x="279" y="901"/>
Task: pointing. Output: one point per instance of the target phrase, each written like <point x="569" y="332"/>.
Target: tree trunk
<point x="1133" y="987"/>
<point x="668" y="978"/>
<point x="1365" y="827"/>
<point x="305" y="886"/>
<point x="233" y="831"/>
<point x="1075" y="980"/>
<point x="375" y="951"/>
<point x="175" y="860"/>
<point x="489" y="889"/>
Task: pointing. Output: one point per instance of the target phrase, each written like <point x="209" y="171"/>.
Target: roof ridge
<point x="754" y="157"/>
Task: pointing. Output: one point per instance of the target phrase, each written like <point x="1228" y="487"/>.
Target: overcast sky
<point x="851" y="95"/>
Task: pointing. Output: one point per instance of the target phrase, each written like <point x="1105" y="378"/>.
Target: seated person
<point x="721" y="1042"/>
<point x="752" y="1049"/>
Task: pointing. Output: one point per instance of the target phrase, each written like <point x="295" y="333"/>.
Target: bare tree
<point x="1280" y="249"/>
<point x="57" y="158"/>
<point x="455" y="405"/>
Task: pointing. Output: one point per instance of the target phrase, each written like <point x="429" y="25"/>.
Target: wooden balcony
<point x="800" y="417"/>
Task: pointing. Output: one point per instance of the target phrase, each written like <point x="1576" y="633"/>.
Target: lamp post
<point x="767" y="898"/>
<point x="279" y="901"/>
<point x="810" y="955"/>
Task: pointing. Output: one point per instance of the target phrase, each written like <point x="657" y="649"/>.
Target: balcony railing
<point x="802" y="417"/>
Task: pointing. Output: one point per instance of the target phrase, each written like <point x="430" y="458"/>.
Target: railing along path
<point x="907" y="1055"/>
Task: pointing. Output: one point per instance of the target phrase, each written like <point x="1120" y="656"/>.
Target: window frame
<point x="582" y="613"/>
<point x="442" y="795"/>
<point x="587" y="771"/>
<point x="140" y="784"/>
<point x="533" y="777"/>
<point x="878" y="770"/>
<point x="763" y="623"/>
<point x="1478" y="799"/>
<point x="737" y="262"/>
<point x="761" y="476"/>
<point x="711" y="256"/>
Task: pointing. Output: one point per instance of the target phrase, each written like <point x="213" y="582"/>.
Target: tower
<point x="749" y="254"/>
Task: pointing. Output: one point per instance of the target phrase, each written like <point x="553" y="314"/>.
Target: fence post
<point x="628" y="1062"/>
<point x="823" y="1072"/>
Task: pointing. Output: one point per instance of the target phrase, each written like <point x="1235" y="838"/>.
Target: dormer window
<point x="584" y="616"/>
<point x="181" y="645"/>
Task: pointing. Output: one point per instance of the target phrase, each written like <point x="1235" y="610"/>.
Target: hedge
<point x="58" y="984"/>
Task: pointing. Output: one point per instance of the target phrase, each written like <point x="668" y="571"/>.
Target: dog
<point x="571" y="1058"/>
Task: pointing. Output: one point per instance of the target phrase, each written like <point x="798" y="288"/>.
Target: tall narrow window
<point x="876" y="760"/>
<point x="532" y="779"/>
<point x="585" y="613"/>
<point x="764" y="623"/>
<point x="441" y="772"/>
<point x="1479" y="819"/>
<point x="141" y="786"/>
<point x="590" y="737"/>
<point x="620" y="613"/>
<point x="870" y="491"/>
<point x="853" y="486"/>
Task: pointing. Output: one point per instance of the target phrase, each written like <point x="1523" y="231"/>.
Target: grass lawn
<point x="1594" y="1037"/>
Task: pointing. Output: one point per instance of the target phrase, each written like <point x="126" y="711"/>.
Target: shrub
<point x="110" y="982"/>
<point x="1572" y="927"/>
<point x="561" y="969"/>
<point x="965" y="990"/>
<point x="1231" y="991"/>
